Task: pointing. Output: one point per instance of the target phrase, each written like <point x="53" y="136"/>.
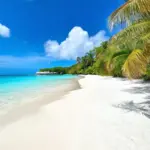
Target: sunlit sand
<point x="105" y="114"/>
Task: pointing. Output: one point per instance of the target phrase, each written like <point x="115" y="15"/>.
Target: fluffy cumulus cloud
<point x="76" y="44"/>
<point x="4" y="31"/>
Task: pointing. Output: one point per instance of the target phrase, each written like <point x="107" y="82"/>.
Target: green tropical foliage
<point x="126" y="54"/>
<point x="135" y="15"/>
<point x="135" y="64"/>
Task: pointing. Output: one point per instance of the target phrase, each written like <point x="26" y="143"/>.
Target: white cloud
<point x="4" y="31"/>
<point x="76" y="44"/>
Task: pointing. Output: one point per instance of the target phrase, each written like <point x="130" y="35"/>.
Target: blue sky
<point x="47" y="33"/>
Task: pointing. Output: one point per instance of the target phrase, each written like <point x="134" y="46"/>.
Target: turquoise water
<point x="14" y="89"/>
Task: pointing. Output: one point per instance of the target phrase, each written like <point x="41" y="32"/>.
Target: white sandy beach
<point x="91" y="118"/>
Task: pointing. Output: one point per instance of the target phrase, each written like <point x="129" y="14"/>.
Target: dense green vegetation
<point x="126" y="54"/>
<point x="59" y="70"/>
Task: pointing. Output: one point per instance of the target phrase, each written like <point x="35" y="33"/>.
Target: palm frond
<point x="146" y="37"/>
<point x="130" y="12"/>
<point x="136" y="32"/>
<point x="113" y="57"/>
<point x="135" y="64"/>
<point x="122" y="52"/>
<point x="146" y="51"/>
<point x="117" y="63"/>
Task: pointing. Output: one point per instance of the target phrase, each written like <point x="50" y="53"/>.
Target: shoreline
<point x="105" y="113"/>
<point x="29" y="107"/>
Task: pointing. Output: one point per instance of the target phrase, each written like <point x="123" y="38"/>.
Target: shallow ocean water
<point x="15" y="89"/>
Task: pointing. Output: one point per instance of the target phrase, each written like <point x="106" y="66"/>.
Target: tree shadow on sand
<point x="142" y="107"/>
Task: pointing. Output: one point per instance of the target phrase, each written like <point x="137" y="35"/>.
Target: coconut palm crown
<point x="135" y="16"/>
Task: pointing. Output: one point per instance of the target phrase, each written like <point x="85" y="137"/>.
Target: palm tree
<point x="84" y="62"/>
<point x="135" y="15"/>
<point x="130" y="12"/>
<point x="90" y="58"/>
<point x="78" y="60"/>
<point x="135" y="64"/>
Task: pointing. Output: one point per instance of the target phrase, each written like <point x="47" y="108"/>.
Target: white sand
<point x="85" y="119"/>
